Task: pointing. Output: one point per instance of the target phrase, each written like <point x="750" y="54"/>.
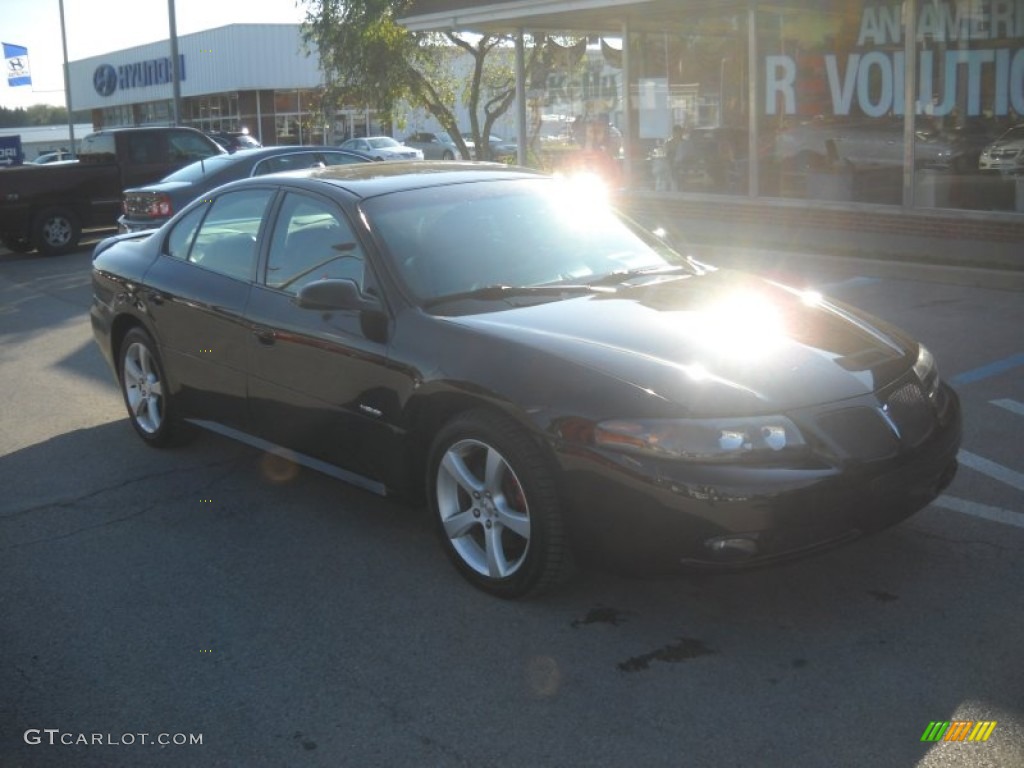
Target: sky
<point x="95" y="27"/>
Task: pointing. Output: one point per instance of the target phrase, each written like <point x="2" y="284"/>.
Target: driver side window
<point x="312" y="240"/>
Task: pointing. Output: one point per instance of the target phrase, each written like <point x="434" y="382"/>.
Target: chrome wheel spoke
<point x="494" y="471"/>
<point x="497" y="565"/>
<point x="459" y="524"/>
<point x="513" y="520"/>
<point x="153" y="412"/>
<point x="457" y="469"/>
<point x="131" y="369"/>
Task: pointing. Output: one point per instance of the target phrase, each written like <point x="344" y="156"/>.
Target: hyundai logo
<point x="104" y="79"/>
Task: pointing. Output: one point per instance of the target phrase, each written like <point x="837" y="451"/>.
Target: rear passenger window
<point x="291" y="162"/>
<point x="226" y="240"/>
<point x="179" y="242"/>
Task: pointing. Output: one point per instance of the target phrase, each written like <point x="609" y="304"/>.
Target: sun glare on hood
<point x="742" y="325"/>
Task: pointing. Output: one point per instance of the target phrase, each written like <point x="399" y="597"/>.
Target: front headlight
<point x="710" y="440"/>
<point x="927" y="371"/>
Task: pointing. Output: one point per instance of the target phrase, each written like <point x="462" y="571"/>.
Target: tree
<point x="367" y="57"/>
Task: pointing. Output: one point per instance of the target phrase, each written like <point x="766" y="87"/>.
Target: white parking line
<point x="1010" y="405"/>
<point x="988" y="467"/>
<point x="974" y="509"/>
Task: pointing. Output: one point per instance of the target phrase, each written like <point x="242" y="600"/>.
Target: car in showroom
<point x="382" y="148"/>
<point x="1005" y="154"/>
<point x="150" y="206"/>
<point x="550" y="378"/>
<point x="434" y="146"/>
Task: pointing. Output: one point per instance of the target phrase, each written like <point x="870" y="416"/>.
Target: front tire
<point x="145" y="389"/>
<point x="57" y="230"/>
<point x="496" y="506"/>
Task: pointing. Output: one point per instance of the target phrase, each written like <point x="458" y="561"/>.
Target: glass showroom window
<point x="970" y="86"/>
<point x="575" y="106"/>
<point x="830" y="116"/>
<point x="691" y="105"/>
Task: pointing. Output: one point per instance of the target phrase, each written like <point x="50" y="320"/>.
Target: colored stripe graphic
<point x="958" y="730"/>
<point x="982" y="731"/>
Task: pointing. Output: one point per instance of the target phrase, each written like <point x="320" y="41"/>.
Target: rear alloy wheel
<point x="496" y="507"/>
<point x="145" y="390"/>
<point x="56" y="231"/>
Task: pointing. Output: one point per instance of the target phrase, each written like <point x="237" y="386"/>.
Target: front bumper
<point x="666" y="514"/>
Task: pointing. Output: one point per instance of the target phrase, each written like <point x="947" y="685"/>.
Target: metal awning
<point x="596" y="17"/>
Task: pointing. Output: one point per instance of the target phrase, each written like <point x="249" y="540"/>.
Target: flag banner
<point x="17" y="65"/>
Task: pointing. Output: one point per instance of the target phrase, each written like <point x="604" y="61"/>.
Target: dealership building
<point x="866" y="115"/>
<point x="256" y="77"/>
<point x="842" y="114"/>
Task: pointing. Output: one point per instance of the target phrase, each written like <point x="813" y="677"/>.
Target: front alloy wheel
<point x="496" y="507"/>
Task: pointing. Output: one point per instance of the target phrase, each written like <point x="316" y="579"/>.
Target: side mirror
<point x="334" y="294"/>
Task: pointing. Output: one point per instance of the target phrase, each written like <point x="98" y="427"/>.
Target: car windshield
<point x="1014" y="134"/>
<point x="200" y="168"/>
<point x="523" y="233"/>
<point x="383" y="142"/>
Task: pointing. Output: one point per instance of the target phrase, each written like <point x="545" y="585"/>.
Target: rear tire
<point x="448" y="156"/>
<point x="56" y="230"/>
<point x="495" y="503"/>
<point x="146" y="392"/>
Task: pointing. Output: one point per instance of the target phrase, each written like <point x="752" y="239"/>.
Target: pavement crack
<point x="229" y="463"/>
<point x="61" y="503"/>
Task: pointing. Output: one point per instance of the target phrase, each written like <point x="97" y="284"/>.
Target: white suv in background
<point x="1005" y="154"/>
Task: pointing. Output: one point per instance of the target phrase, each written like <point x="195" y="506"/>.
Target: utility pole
<point x="67" y="82"/>
<point x="175" y="64"/>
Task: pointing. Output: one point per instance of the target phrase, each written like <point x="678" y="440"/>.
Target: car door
<point x="196" y="295"/>
<point x="318" y="381"/>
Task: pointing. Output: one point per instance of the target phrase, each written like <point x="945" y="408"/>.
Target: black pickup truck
<point x="45" y="207"/>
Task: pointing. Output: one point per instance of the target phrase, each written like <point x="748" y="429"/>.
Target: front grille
<point x="859" y="432"/>
<point x="911" y="413"/>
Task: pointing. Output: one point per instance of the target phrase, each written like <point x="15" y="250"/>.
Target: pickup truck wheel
<point x="56" y="231"/>
<point x="16" y="243"/>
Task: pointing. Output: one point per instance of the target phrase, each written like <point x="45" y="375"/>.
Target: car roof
<point x="370" y="179"/>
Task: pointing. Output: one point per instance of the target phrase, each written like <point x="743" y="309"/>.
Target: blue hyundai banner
<point x="10" y="151"/>
<point x="16" y="57"/>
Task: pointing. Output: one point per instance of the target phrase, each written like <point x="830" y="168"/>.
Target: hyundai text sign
<point x="10" y="151"/>
<point x="106" y="78"/>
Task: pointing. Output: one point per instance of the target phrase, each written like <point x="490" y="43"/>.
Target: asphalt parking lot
<point x="283" y="618"/>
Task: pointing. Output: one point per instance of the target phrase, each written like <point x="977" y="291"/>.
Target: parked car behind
<point x="233" y="141"/>
<point x="434" y="146"/>
<point x="547" y="375"/>
<point x="1005" y="154"/>
<point x="382" y="148"/>
<point x="57" y="156"/>
<point x="499" y="149"/>
<point x="45" y="207"/>
<point x="150" y="206"/>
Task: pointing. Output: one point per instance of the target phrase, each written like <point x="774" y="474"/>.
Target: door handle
<point x="264" y="335"/>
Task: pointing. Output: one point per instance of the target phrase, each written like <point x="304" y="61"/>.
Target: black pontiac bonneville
<point x="546" y="373"/>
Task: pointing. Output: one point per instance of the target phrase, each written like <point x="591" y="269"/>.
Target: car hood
<point x="720" y="343"/>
